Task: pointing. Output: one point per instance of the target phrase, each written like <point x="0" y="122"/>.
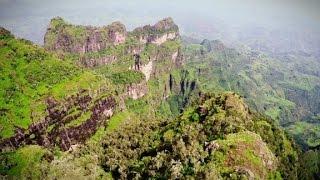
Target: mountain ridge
<point x="145" y="111"/>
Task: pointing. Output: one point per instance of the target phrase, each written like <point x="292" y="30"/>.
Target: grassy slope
<point x="29" y="75"/>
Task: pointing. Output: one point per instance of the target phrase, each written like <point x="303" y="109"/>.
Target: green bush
<point x="127" y="77"/>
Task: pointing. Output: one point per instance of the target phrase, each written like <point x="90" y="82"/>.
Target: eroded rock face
<point x="177" y="58"/>
<point x="158" y="39"/>
<point x="159" y="33"/>
<point x="54" y="129"/>
<point x="147" y="70"/>
<point x="92" y="42"/>
<point x="78" y="134"/>
<point x="118" y="38"/>
<point x="88" y="41"/>
<point x="61" y="36"/>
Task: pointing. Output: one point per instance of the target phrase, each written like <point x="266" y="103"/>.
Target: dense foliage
<point x="219" y="138"/>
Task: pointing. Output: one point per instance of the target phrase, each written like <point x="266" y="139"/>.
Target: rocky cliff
<point x="159" y="33"/>
<point x="62" y="36"/>
<point x="96" y="46"/>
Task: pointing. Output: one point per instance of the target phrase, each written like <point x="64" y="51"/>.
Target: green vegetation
<point x="199" y="144"/>
<point x="28" y="74"/>
<point x="307" y="134"/>
<point x="310" y="165"/>
<point x="276" y="87"/>
<point x="24" y="162"/>
<point x="127" y="77"/>
<point x="113" y="123"/>
<point x="185" y="126"/>
<point x="116" y="120"/>
<point x="242" y="150"/>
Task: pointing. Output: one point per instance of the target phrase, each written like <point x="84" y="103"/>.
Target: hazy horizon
<point x="229" y="20"/>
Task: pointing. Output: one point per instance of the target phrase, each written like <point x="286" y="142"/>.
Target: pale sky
<point x="205" y="18"/>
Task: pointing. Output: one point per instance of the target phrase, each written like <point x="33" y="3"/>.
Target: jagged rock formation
<point x="159" y="33"/>
<point x="94" y="45"/>
<point x="61" y="36"/>
<point x="147" y="70"/>
<point x="153" y="50"/>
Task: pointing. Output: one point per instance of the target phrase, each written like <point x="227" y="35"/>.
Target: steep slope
<point x="67" y="114"/>
<point x="153" y="50"/>
<point x="285" y="88"/>
<point x="48" y="102"/>
<point x="150" y="50"/>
